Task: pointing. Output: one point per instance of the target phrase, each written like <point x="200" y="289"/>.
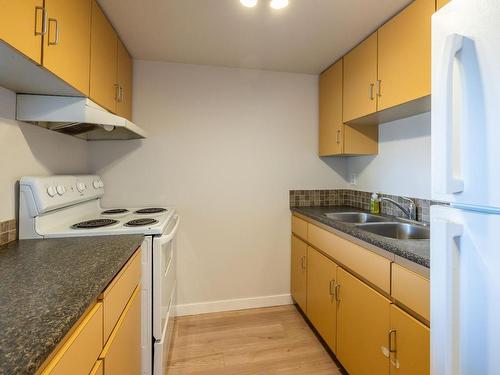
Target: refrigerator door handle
<point x="453" y="45"/>
<point x="449" y="319"/>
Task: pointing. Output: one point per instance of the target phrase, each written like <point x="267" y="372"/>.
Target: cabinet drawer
<point x="411" y="290"/>
<point x="299" y="227"/>
<point x="117" y="294"/>
<point x="122" y="353"/>
<point x="370" y="266"/>
<point x="79" y="353"/>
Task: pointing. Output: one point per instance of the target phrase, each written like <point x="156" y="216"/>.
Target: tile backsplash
<point x="357" y="199"/>
<point x="8" y="231"/>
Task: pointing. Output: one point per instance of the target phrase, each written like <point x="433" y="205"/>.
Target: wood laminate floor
<point x="273" y="340"/>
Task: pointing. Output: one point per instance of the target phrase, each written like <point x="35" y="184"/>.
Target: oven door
<point x="164" y="281"/>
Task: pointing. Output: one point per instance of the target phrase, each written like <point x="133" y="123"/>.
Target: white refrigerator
<point x="465" y="236"/>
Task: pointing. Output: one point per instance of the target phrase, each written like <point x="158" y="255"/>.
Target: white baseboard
<point x="233" y="304"/>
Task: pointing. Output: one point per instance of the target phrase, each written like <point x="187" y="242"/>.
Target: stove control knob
<point x="81" y="187"/>
<point x="51" y="191"/>
<point x="97" y="184"/>
<point x="60" y="189"/>
<point x="101" y="184"/>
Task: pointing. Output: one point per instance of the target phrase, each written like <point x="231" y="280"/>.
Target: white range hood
<point x="76" y="116"/>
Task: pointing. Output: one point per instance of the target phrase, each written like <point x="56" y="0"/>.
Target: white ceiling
<point x="305" y="37"/>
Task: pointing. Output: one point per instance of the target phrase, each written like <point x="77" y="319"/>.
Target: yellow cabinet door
<point x="441" y="3"/>
<point x="362" y="326"/>
<point x="360" y="78"/>
<point x="66" y="46"/>
<point x="298" y="275"/>
<point x="103" y="57"/>
<point x="22" y="25"/>
<point x="80" y="351"/>
<point x="410" y="346"/>
<point x="98" y="368"/>
<point x="321" y="302"/>
<point x="404" y="55"/>
<point x="122" y="352"/>
<point x="124" y="82"/>
<point x="330" y="111"/>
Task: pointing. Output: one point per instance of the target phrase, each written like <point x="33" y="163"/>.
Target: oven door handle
<point x="170" y="236"/>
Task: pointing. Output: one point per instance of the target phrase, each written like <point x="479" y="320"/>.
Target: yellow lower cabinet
<point x="122" y="352"/>
<point x="98" y="368"/>
<point x="321" y="303"/>
<point x="409" y="347"/>
<point x="298" y="275"/>
<point x="118" y="293"/>
<point x="441" y="3"/>
<point x="80" y="351"/>
<point x="362" y="326"/>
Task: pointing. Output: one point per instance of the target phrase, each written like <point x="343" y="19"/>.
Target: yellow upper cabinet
<point x="66" y="46"/>
<point x="330" y="111"/>
<point x="103" y="58"/>
<point x="360" y="79"/>
<point x="124" y="82"/>
<point x="404" y="55"/>
<point x="335" y="138"/>
<point x="21" y="26"/>
<point x="441" y="3"/>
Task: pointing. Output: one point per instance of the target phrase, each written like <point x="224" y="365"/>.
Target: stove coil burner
<point x="154" y="210"/>
<point x="140" y="222"/>
<point x="96" y="223"/>
<point x="114" y="211"/>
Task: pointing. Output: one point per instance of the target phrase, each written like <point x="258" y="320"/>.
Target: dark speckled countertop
<point x="46" y="286"/>
<point x="417" y="251"/>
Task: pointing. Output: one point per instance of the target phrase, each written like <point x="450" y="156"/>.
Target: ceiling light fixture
<point x="279" y="4"/>
<point x="249" y="3"/>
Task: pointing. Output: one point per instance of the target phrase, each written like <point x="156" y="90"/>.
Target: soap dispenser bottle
<point x="375" y="204"/>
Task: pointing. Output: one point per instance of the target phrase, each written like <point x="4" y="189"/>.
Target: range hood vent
<point x="76" y="116"/>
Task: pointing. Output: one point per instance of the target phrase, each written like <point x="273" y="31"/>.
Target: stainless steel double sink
<point x="382" y="226"/>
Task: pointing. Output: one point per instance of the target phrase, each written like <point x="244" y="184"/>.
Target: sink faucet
<point x="410" y="212"/>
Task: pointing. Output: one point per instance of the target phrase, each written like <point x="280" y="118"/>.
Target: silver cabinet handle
<point x="303" y="262"/>
<point x="389" y="336"/>
<point x="56" y="40"/>
<point x="393" y="349"/>
<point x="332" y="288"/>
<point x="44" y="21"/>
<point x="379" y="89"/>
<point x="337" y="292"/>
<point x="117" y="92"/>
<point x="370" y="91"/>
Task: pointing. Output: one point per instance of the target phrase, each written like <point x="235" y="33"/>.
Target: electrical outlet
<point x="353" y="179"/>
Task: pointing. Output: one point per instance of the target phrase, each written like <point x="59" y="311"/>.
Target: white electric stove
<point x="70" y="206"/>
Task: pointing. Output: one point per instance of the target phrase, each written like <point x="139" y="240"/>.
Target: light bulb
<point x="279" y="4"/>
<point x="249" y="3"/>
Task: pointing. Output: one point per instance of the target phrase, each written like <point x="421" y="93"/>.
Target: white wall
<point x="225" y="146"/>
<point x="29" y="150"/>
<point x="403" y="165"/>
